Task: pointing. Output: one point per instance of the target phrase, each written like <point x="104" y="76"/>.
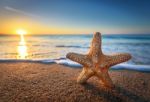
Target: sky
<point x="75" y="16"/>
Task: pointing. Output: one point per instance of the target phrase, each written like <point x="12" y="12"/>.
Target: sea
<point x="53" y="48"/>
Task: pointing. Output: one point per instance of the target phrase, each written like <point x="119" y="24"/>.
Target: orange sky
<point x="33" y="27"/>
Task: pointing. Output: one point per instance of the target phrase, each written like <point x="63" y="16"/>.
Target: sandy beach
<point x="36" y="82"/>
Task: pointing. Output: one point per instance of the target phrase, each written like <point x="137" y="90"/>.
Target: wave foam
<point x="67" y="62"/>
<point x="141" y="68"/>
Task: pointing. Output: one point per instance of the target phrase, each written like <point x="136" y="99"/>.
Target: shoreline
<point x="28" y="82"/>
<point x="69" y="63"/>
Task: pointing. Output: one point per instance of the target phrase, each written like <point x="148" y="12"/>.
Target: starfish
<point x="95" y="63"/>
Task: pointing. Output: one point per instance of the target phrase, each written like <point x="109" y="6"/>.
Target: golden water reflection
<point x="22" y="48"/>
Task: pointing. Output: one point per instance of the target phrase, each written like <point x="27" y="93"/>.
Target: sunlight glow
<point x="22" y="48"/>
<point x="22" y="52"/>
<point x="21" y="32"/>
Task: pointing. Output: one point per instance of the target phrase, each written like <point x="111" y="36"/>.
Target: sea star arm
<point x="85" y="75"/>
<point x="105" y="79"/>
<point x="118" y="58"/>
<point x="95" y="49"/>
<point x="82" y="59"/>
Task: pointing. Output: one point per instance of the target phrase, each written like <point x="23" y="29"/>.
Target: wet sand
<point x="35" y="82"/>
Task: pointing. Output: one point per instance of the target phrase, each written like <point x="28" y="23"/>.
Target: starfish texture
<point x="95" y="63"/>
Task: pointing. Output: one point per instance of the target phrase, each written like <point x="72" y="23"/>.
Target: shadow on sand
<point x="117" y="94"/>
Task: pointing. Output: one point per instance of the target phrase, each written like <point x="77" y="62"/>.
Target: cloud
<point x="19" y="11"/>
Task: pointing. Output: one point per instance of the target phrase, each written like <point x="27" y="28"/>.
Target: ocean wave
<point x="67" y="62"/>
<point x="141" y="68"/>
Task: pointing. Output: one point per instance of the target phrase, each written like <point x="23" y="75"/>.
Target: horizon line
<point x="2" y="34"/>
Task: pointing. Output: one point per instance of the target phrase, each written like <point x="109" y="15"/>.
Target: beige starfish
<point x="95" y="63"/>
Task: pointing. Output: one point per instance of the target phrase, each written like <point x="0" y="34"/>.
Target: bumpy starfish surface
<point x="95" y="63"/>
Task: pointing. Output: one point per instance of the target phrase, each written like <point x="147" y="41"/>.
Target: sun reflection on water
<point x="22" y="48"/>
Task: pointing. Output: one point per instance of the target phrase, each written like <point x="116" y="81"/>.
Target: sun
<point x="21" y="32"/>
